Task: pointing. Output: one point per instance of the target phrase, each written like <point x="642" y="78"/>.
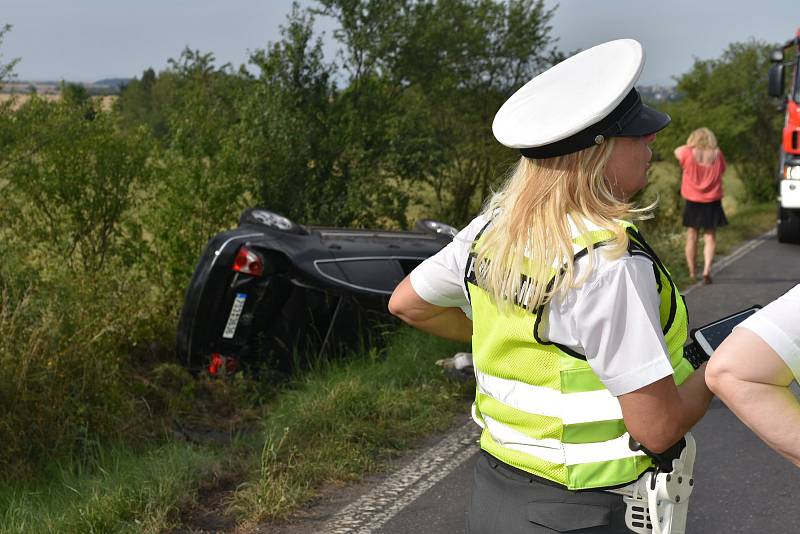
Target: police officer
<point x="576" y="326"/>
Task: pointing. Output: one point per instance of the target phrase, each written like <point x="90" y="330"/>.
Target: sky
<point x="87" y="40"/>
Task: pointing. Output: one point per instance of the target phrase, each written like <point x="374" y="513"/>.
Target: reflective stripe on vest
<point x="542" y="408"/>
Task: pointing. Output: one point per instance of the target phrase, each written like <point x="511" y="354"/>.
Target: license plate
<point x="233" y="318"/>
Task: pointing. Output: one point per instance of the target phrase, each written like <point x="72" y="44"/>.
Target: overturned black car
<point x="272" y="292"/>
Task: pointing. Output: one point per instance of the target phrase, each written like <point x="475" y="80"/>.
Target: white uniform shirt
<point x="777" y="324"/>
<point x="612" y="318"/>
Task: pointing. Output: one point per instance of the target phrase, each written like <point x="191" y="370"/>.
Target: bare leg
<point x="691" y="251"/>
<point x="709" y="247"/>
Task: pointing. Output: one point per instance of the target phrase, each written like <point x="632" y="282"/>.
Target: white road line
<point x="735" y="255"/>
<point x="374" y="509"/>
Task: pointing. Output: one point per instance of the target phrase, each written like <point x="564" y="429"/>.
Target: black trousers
<point x="508" y="501"/>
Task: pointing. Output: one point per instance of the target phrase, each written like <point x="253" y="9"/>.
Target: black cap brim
<point x="647" y="121"/>
<point x="631" y="118"/>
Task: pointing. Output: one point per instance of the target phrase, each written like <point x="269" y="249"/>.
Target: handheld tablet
<point x="710" y="336"/>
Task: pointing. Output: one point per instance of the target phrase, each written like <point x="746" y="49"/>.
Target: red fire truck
<point x="789" y="167"/>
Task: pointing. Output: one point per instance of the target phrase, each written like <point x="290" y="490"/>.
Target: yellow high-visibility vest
<point x="541" y="406"/>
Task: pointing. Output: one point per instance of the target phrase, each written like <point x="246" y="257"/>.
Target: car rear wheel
<point x="270" y="219"/>
<point x="788" y="225"/>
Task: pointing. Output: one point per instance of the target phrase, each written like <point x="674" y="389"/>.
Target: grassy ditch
<point x="331" y="425"/>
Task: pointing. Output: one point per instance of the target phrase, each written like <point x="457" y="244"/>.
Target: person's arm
<point x="450" y="323"/>
<point x="677" y="152"/>
<point x="752" y="380"/>
<point x="620" y="332"/>
<point x="659" y="414"/>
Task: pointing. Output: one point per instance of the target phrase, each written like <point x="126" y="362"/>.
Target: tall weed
<point x="63" y="374"/>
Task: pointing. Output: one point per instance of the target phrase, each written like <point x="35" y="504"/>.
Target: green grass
<point x="124" y="492"/>
<point x="333" y="424"/>
<point x="345" y="419"/>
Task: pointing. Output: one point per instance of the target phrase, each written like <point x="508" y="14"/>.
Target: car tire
<point x="270" y="219"/>
<point x="435" y="227"/>
<point x="788" y="225"/>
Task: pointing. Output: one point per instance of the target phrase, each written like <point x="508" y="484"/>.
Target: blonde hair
<point x="530" y="232"/>
<point x="702" y="138"/>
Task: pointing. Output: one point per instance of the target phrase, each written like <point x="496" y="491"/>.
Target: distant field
<point x="20" y="99"/>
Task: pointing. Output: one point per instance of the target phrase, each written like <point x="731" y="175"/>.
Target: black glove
<point x="695" y="354"/>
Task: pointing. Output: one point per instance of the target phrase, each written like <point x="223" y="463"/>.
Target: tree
<point x="297" y="135"/>
<point x="6" y="69"/>
<point x="76" y="96"/>
<point x="199" y="190"/>
<point x="146" y="101"/>
<point x="446" y="67"/>
<point x="71" y="184"/>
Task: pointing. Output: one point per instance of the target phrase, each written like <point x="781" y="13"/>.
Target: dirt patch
<point x="207" y="513"/>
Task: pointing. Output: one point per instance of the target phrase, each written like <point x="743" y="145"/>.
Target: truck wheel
<point x="788" y="225"/>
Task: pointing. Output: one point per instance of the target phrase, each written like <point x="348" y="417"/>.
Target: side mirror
<point x="775" y="85"/>
<point x="776" y="56"/>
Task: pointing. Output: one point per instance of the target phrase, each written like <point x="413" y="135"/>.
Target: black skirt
<point x="704" y="214"/>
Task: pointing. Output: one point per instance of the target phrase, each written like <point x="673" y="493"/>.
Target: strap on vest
<point x="637" y="246"/>
<point x="469" y="270"/>
<point x="540" y="311"/>
<point x="673" y="303"/>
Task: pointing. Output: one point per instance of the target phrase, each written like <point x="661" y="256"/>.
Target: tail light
<point x="248" y="262"/>
<point x="222" y="365"/>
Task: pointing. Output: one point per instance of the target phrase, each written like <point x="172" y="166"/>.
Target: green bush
<point x="62" y="381"/>
<point x="77" y="311"/>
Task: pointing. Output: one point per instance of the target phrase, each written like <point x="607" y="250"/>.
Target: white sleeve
<point x="777" y="324"/>
<point x="618" y="326"/>
<point x="440" y="278"/>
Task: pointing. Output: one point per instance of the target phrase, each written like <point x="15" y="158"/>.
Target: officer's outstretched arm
<point x="659" y="414"/>
<point x="750" y="377"/>
<point x="450" y="323"/>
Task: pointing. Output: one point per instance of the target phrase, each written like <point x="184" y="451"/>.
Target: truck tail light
<point x="248" y="262"/>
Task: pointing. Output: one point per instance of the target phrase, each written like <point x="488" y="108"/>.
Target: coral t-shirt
<point x="701" y="183"/>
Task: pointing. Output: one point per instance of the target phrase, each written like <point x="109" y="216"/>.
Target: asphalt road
<point x="742" y="486"/>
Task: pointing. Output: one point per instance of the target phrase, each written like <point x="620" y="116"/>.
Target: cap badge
<point x="599" y="140"/>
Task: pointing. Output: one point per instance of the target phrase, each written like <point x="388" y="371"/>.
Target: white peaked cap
<point x="578" y="103"/>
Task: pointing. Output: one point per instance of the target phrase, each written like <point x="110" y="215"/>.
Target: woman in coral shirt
<point x="703" y="166"/>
